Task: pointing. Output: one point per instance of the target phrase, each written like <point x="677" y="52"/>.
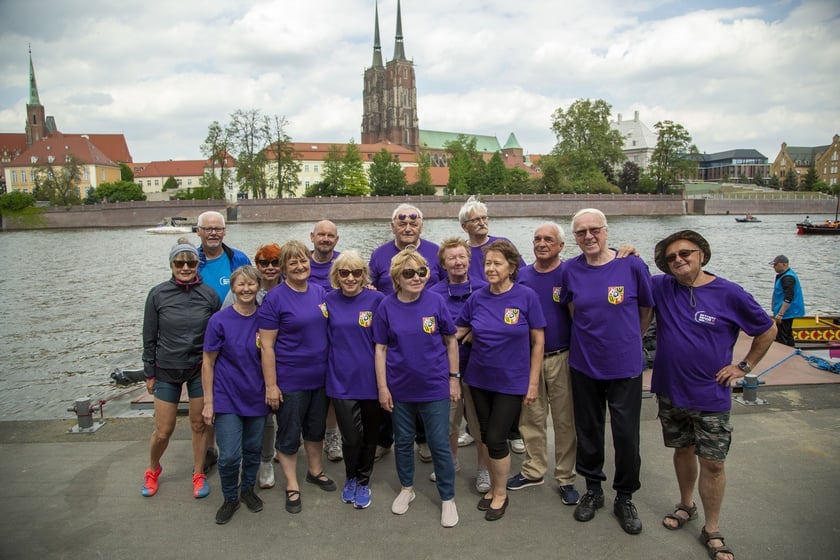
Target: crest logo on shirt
<point x="429" y="325"/>
<point x="705" y="318"/>
<point x="259" y="344"/>
<point x="512" y="316"/>
<point x="555" y="293"/>
<point x="615" y="294"/>
<point x="365" y="318"/>
<point x="324" y="312"/>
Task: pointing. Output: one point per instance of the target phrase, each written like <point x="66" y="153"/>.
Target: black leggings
<point x="496" y="412"/>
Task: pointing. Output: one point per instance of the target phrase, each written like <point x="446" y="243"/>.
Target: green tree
<point x="423" y="185"/>
<point x="628" y="179"/>
<point x="286" y="166"/>
<point x="249" y="135"/>
<point x="386" y="175"/>
<point x="668" y="161"/>
<point x="321" y="188"/>
<point x="15" y="202"/>
<point x="170" y="183"/>
<point x="215" y="148"/>
<point x="464" y="169"/>
<point x="585" y="140"/>
<point x="58" y="184"/>
<point x="121" y="191"/>
<point x="810" y="180"/>
<point x="126" y="174"/>
<point x="791" y="181"/>
<point x="333" y="171"/>
<point x="519" y="181"/>
<point x="355" y="178"/>
<point x="496" y="176"/>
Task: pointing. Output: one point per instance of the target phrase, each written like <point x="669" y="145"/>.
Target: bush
<point x="16" y="201"/>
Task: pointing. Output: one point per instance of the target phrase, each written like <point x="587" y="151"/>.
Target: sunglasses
<point x="344" y="273"/>
<point x="459" y="297"/>
<point x="409" y="273"/>
<point x="188" y="264"/>
<point x="684" y="254"/>
<point x="266" y="263"/>
<point x="404" y="217"/>
<point x="594" y="231"/>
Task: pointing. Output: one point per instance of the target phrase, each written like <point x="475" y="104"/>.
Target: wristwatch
<point x="745" y="366"/>
<point x="455" y="375"/>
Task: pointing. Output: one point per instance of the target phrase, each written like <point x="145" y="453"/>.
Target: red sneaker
<point x="200" y="486"/>
<point x="150" y="482"/>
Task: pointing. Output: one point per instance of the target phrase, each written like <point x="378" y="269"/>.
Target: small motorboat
<point x="749" y="218"/>
<point x="825" y="228"/>
<point x="174" y="224"/>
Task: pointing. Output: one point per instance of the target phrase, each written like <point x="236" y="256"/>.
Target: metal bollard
<point x="84" y="417"/>
<point x="750" y="385"/>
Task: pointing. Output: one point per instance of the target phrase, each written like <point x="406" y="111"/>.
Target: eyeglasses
<point x="684" y="254"/>
<point x="409" y="273"/>
<point x="212" y="229"/>
<point x="460" y="297"/>
<point x="265" y="263"/>
<point x="476" y="220"/>
<point x="344" y="273"/>
<point x="594" y="231"/>
<point x="182" y="264"/>
<point x="404" y="217"/>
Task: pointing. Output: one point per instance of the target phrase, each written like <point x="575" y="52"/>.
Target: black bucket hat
<point x="688" y="235"/>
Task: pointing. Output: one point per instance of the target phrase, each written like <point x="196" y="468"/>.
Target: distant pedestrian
<point x="788" y="302"/>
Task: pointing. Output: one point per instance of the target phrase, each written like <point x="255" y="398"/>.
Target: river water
<point x="71" y="301"/>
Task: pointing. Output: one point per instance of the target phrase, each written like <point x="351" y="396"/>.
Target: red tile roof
<point x="317" y="151"/>
<point x="59" y="146"/>
<point x="12" y="142"/>
<point x="112" y="145"/>
<point x="180" y="168"/>
<point x="440" y="175"/>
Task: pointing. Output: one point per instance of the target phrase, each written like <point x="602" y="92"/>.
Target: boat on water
<point x="749" y="218"/>
<point x="828" y="227"/>
<point x="817" y="331"/>
<point x="173" y="224"/>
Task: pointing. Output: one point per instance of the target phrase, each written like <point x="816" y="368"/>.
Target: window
<point x="14" y="177"/>
<point x="306" y="168"/>
<point x="148" y="182"/>
<point x="23" y="176"/>
<point x="86" y="174"/>
<point x="189" y="182"/>
<point x="157" y="182"/>
<point x="315" y="168"/>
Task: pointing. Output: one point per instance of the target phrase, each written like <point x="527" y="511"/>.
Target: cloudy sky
<point x="735" y="73"/>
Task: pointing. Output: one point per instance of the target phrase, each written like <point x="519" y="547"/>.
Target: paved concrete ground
<point x="78" y="496"/>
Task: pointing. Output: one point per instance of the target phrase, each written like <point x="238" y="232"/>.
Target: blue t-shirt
<point x="351" y="373"/>
<point x="216" y="274"/>
<point x="606" y="340"/>
<point x="417" y="366"/>
<point x="300" y="319"/>
<point x="694" y="343"/>
<point x="501" y="326"/>
<point x="547" y="286"/>
<point x="238" y="385"/>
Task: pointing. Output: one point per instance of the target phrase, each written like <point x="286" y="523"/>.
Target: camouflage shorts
<point x="709" y="432"/>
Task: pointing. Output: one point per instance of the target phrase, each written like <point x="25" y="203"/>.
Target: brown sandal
<point x="706" y="537"/>
<point x="691" y="511"/>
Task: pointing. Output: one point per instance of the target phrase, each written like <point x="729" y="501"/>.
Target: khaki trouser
<point x="554" y="396"/>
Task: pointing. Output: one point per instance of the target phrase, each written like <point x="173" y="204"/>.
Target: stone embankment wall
<point x="148" y="214"/>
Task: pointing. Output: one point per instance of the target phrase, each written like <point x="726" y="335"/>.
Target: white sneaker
<point x="517" y="445"/>
<point x="405" y="497"/>
<point x="482" y="481"/>
<point x="332" y="446"/>
<point x="448" y="513"/>
<point x="266" y="474"/>
<point x="465" y="439"/>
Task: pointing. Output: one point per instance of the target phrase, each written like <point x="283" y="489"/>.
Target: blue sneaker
<point x="362" y="496"/>
<point x="348" y="495"/>
<point x="569" y="494"/>
<point x="519" y="481"/>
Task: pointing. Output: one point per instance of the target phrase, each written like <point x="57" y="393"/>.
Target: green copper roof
<point x="435" y="140"/>
<point x="33" y="87"/>
<point x="512" y="142"/>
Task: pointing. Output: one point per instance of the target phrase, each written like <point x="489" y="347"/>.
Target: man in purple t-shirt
<point x="698" y="318"/>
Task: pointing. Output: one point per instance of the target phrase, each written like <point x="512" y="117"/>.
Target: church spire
<point x="33" y="86"/>
<point x="377" y="47"/>
<point x="399" y="51"/>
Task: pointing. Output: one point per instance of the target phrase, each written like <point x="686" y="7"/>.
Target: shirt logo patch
<point x="512" y="316"/>
<point x="555" y="293"/>
<point x="703" y="317"/>
<point x="324" y="312"/>
<point x="615" y="294"/>
<point x="429" y="325"/>
<point x="365" y="318"/>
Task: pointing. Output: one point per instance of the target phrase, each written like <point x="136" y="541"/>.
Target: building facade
<point x="639" y="140"/>
<point x="824" y="159"/>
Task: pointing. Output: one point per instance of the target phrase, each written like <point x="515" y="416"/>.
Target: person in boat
<point x="698" y="318"/>
<point x="788" y="302"/>
<point x="611" y="305"/>
<point x="293" y="335"/>
<point x="175" y="318"/>
<point x="416" y="359"/>
<point x="807" y="221"/>
<point x="234" y="393"/>
<point x="351" y="374"/>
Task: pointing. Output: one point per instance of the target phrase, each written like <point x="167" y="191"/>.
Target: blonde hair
<point x="290" y="250"/>
<point x="352" y="260"/>
<point x="403" y="258"/>
<point x="249" y="272"/>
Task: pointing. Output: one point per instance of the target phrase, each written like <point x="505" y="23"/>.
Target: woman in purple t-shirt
<point x="234" y="392"/>
<point x="417" y="373"/>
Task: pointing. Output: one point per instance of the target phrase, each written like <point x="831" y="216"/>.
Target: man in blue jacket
<point x="788" y="302"/>
<point x="217" y="260"/>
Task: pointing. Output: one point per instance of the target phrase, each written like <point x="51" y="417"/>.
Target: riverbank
<point x="339" y="209"/>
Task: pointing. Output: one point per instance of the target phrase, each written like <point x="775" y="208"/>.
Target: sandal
<point x="293" y="505"/>
<point x="322" y="481"/>
<point x="713" y="551"/>
<point x="691" y="511"/>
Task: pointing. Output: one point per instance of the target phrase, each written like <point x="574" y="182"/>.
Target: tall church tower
<point x="36" y="122"/>
<point x="390" y="95"/>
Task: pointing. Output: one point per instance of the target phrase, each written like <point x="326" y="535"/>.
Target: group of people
<point x="421" y="335"/>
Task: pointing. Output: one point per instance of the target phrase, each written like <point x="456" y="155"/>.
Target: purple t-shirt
<point x="380" y="265"/>
<point x="501" y="327"/>
<point x="300" y="319"/>
<point x="319" y="273"/>
<point x="477" y="258"/>
<point x="694" y="343"/>
<point x="606" y="341"/>
<point x="455" y="296"/>
<point x="558" y="323"/>
<point x="351" y="373"/>
<point x="238" y="386"/>
<point x="417" y="366"/>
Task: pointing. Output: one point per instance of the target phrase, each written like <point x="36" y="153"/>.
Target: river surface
<point x="71" y="301"/>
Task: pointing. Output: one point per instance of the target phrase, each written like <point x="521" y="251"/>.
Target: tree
<point x="58" y="184"/>
<point x="628" y="179"/>
<point x="121" y="191"/>
<point x="496" y="176"/>
<point x="285" y="179"/>
<point x="519" y="181"/>
<point x="126" y="174"/>
<point x="333" y="171"/>
<point x="249" y="135"/>
<point x="170" y="183"/>
<point x="424" y="177"/>
<point x="216" y="148"/>
<point x="16" y="201"/>
<point x="386" y="175"/>
<point x="791" y="181"/>
<point x="668" y="161"/>
<point x="810" y="180"/>
<point x="463" y="165"/>
<point x="355" y="178"/>
<point x="585" y="140"/>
